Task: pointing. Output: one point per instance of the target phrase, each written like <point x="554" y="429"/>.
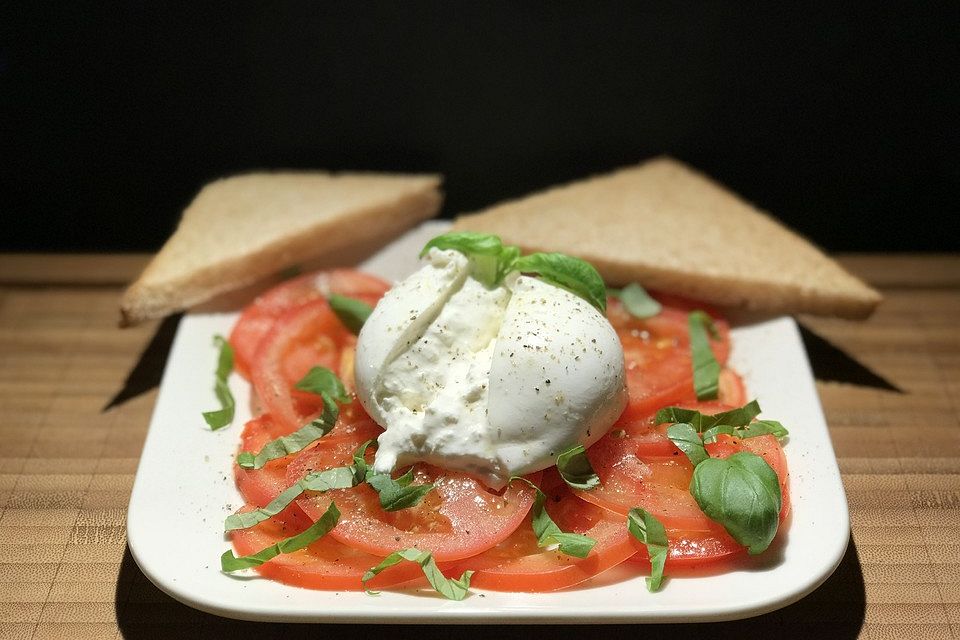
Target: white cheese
<point x="494" y="382"/>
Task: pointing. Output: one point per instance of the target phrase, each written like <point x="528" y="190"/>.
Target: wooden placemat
<point x="67" y="465"/>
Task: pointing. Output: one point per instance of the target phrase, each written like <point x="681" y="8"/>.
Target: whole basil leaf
<point x="573" y="274"/>
<point x="743" y="494"/>
<point x="490" y="259"/>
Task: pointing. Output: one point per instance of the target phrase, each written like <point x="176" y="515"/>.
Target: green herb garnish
<point x="742" y="493"/>
<point x="637" y="301"/>
<point x="223" y="416"/>
<point x="351" y="312"/>
<point x="686" y="438"/>
<point x="706" y="369"/>
<point x="398" y="494"/>
<point x="490" y="259"/>
<point x="575" y="468"/>
<point x="450" y="588"/>
<point x="548" y="533"/>
<point x="320" y="528"/>
<point x="648" y="530"/>
<point x="336" y="478"/>
<point x="573" y="274"/>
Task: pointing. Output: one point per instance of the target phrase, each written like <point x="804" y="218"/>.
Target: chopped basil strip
<point x="701" y="421"/>
<point x="548" y="533"/>
<point x="285" y="445"/>
<point x="490" y="259"/>
<point x="320" y="528"/>
<point x="762" y="428"/>
<point x="743" y="494"/>
<point x="573" y="274"/>
<point x="351" y="312"/>
<point x="360" y="466"/>
<point x="735" y="422"/>
<point x="688" y="440"/>
<point x="638" y="302"/>
<point x="648" y="530"/>
<point x="575" y="468"/>
<point x="223" y="416"/>
<point x="706" y="369"/>
<point x="398" y="494"/>
<point x="336" y="478"/>
<point x="710" y="435"/>
<point x="451" y="588"/>
<point x="324" y="383"/>
<point x="327" y="385"/>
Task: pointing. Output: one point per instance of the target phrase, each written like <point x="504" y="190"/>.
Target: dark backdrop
<point x="841" y="117"/>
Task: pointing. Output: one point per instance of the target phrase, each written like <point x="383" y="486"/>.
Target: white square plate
<point x="184" y="488"/>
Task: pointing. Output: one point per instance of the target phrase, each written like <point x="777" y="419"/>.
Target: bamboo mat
<point x="67" y="466"/>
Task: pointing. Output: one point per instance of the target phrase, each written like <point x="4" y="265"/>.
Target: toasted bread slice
<point x="670" y="228"/>
<point x="241" y="229"/>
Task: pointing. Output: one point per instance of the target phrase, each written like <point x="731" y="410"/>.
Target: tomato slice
<point x="260" y="486"/>
<point x="459" y="518"/>
<point x="306" y="336"/>
<point x="324" y="564"/>
<point x="260" y="315"/>
<point x="639" y="466"/>
<point x="656" y="353"/>
<point x="518" y="564"/>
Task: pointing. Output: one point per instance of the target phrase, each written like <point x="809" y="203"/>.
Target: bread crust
<point x="164" y="287"/>
<point x="671" y="228"/>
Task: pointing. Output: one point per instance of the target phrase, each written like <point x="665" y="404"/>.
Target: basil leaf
<point x="762" y="428"/>
<point x="698" y="420"/>
<point x="398" y="494"/>
<point x="706" y="369"/>
<point x="450" y="588"/>
<point x="638" y="302"/>
<point x="743" y="494"/>
<point x="336" y="478"/>
<point x="648" y="530"/>
<point x="573" y="274"/>
<point x="688" y="440"/>
<point x="285" y="445"/>
<point x="575" y="468"/>
<point x="360" y="466"/>
<point x="351" y="312"/>
<point x="710" y="435"/>
<point x="320" y="528"/>
<point x="324" y="383"/>
<point x="701" y="421"/>
<point x="548" y="533"/>
<point x="224" y="416"/>
<point x="738" y="417"/>
<point x="490" y="259"/>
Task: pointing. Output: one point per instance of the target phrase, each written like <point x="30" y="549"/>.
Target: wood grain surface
<point x="67" y="464"/>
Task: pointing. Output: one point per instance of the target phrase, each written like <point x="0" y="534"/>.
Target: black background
<point x="842" y="120"/>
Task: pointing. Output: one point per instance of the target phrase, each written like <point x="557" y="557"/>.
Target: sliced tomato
<point x="639" y="466"/>
<point x="656" y="353"/>
<point x="518" y="564"/>
<point x="459" y="518"/>
<point x="732" y="391"/>
<point x="260" y="486"/>
<point x="260" y="315"/>
<point x="306" y="336"/>
<point x="324" y="564"/>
